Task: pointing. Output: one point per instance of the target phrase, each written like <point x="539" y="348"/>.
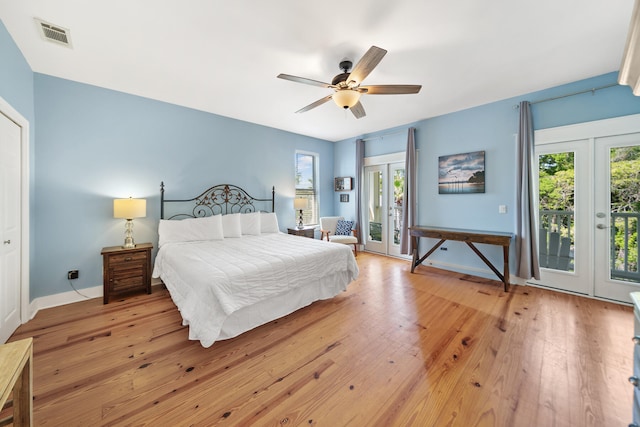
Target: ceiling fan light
<point x="346" y="98"/>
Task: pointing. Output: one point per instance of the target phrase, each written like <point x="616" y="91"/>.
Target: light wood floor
<point x="397" y="349"/>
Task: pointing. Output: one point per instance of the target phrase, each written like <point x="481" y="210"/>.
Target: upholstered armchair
<point x="336" y="229"/>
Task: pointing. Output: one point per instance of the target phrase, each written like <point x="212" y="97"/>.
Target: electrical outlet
<point x="72" y="274"/>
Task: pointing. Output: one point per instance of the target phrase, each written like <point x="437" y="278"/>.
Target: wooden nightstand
<point x="306" y="231"/>
<point x="126" y="270"/>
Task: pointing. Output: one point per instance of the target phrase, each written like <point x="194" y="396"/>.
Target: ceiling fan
<point x="346" y="85"/>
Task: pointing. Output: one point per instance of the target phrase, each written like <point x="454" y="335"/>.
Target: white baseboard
<point x="70" y="297"/>
<point x="63" y="298"/>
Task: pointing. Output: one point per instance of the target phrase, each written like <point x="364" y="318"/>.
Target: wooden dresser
<point x="126" y="270"/>
<point x="635" y="378"/>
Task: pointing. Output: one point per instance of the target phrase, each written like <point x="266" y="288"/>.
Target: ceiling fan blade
<point x="391" y="89"/>
<point x="366" y="64"/>
<point x="304" y="80"/>
<point x="315" y="104"/>
<point x="358" y="110"/>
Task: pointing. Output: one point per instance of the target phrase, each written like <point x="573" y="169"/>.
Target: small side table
<point x="306" y="231"/>
<point x="126" y="270"/>
<point x="16" y="373"/>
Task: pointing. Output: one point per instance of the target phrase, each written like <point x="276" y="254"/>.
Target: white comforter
<point x="211" y="280"/>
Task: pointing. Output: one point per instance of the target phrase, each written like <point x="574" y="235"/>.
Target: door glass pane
<point x="396" y="205"/>
<point x="557" y="225"/>
<point x="306" y="179"/>
<point x="375" y="206"/>
<point x="625" y="208"/>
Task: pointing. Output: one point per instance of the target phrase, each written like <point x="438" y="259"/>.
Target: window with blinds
<point x="306" y="185"/>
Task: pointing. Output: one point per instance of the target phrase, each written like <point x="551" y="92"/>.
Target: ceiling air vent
<point x="54" y="33"/>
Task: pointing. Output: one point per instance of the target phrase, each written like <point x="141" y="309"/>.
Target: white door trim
<point x="385" y="158"/>
<point x="596" y="129"/>
<point x="17" y="118"/>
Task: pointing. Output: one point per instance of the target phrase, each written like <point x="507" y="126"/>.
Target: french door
<point x="589" y="208"/>
<point x="564" y="214"/>
<point x="384" y="191"/>
<point x="617" y="201"/>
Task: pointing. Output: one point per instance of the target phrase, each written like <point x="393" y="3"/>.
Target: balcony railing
<point x="557" y="242"/>
<point x="624" y="250"/>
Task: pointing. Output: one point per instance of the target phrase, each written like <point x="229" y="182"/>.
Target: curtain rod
<point x="592" y="90"/>
<point x="383" y="135"/>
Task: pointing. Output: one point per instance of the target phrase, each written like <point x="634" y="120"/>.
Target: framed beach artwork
<point x="461" y="173"/>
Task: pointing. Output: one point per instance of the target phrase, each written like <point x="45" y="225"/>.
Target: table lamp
<point x="129" y="209"/>
<point x="300" y="204"/>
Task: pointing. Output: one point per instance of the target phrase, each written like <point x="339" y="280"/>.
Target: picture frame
<point x="462" y="173"/>
<point x="344" y="197"/>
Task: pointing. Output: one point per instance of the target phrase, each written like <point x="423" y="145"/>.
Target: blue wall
<point x="16" y="79"/>
<point x="16" y="88"/>
<point x="96" y="144"/>
<point x="492" y="128"/>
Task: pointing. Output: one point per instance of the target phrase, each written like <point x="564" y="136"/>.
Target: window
<point x="307" y="185"/>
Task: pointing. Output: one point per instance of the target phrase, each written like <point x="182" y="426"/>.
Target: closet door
<point x="10" y="232"/>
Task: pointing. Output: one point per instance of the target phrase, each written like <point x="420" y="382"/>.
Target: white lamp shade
<point x="300" y="203"/>
<point x="346" y="98"/>
<point x="129" y="208"/>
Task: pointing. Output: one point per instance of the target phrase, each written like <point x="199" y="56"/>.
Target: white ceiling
<point x="223" y="57"/>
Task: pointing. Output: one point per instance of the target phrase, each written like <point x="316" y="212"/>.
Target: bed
<point x="229" y="269"/>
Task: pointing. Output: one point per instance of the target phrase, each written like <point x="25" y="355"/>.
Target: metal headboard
<point x="219" y="199"/>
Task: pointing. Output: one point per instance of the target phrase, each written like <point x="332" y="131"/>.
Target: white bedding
<point x="225" y="287"/>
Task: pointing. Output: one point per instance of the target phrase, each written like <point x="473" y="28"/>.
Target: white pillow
<point x="269" y="223"/>
<point x="190" y="229"/>
<point x="231" y="225"/>
<point x="250" y="223"/>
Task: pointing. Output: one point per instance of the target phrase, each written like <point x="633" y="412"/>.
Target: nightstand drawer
<point x="126" y="283"/>
<point x="127" y="258"/>
<point x="120" y="272"/>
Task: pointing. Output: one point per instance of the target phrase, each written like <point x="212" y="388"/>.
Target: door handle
<point x="601" y="226"/>
<point x="7" y="242"/>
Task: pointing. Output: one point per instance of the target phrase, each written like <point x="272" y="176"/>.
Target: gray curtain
<point x="528" y="265"/>
<point x="409" y="197"/>
<point x="358" y="186"/>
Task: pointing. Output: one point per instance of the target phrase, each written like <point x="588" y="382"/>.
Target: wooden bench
<point x="467" y="236"/>
<point x="16" y="377"/>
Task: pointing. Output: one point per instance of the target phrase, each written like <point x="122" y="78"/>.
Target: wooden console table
<point x="469" y="237"/>
<point x="16" y="373"/>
